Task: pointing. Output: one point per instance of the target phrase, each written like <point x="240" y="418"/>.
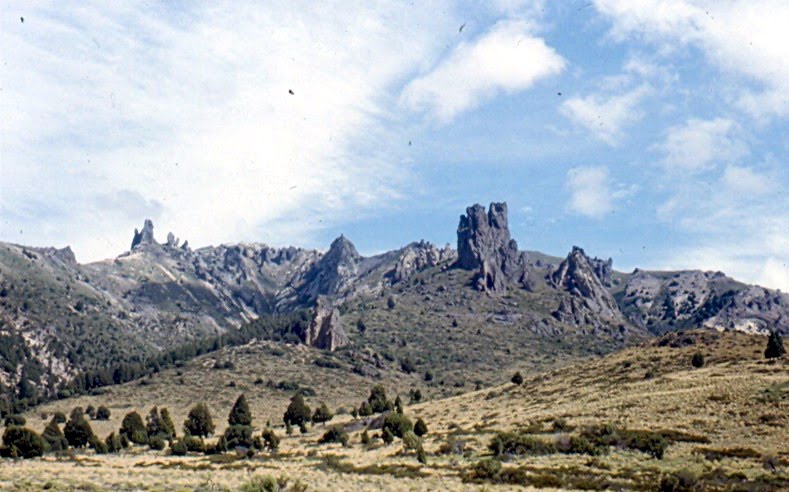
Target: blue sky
<point x="653" y="132"/>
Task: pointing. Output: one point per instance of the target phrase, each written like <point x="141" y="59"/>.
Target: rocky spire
<point x="325" y="331"/>
<point x="333" y="273"/>
<point x="485" y="245"/>
<point x="145" y="236"/>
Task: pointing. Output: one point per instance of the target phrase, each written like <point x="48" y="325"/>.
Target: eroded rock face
<point x="145" y="236"/>
<point x="590" y="302"/>
<point x="417" y="257"/>
<point x="333" y="273"/>
<point x="325" y="332"/>
<point x="485" y="245"/>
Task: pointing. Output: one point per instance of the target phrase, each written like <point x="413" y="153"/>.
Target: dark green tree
<point x="365" y="410"/>
<point x="133" y="429"/>
<point x="270" y="439"/>
<point x="420" y="428"/>
<point x="398" y="404"/>
<point x="21" y="442"/>
<point x="698" y="360"/>
<point x="775" y="346"/>
<point x="168" y="427"/>
<point x="240" y="413"/>
<point x="517" y="378"/>
<point x="298" y="413"/>
<point x="322" y="414"/>
<point x="398" y="424"/>
<point x="386" y="436"/>
<point x="377" y="400"/>
<point x="54" y="436"/>
<point x="15" y="420"/>
<point x="103" y="413"/>
<point x="199" y="422"/>
<point x="113" y="443"/>
<point x="77" y="430"/>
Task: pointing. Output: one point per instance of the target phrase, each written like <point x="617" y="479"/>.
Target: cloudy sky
<point x="654" y="132"/>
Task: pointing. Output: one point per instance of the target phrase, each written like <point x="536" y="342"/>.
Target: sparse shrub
<point x="97" y="445"/>
<point x="159" y="424"/>
<point x="698" y="360"/>
<point x="297" y="413"/>
<point x="335" y="433"/>
<point x="270" y="439"/>
<point x="398" y="424"/>
<point x="561" y="425"/>
<point x="77" y="430"/>
<point x="428" y="376"/>
<point x="21" y="442"/>
<point x="398" y="404"/>
<point x="415" y="396"/>
<point x="487" y="469"/>
<point x="103" y="413"/>
<point x="420" y="427"/>
<point x="386" y="436"/>
<point x="517" y="378"/>
<point x="199" y="422"/>
<point x="365" y="437"/>
<point x="407" y="365"/>
<point x="264" y="483"/>
<point x="682" y="481"/>
<point x="194" y="444"/>
<point x="421" y="455"/>
<point x="391" y="302"/>
<point x="54" y="437"/>
<point x="452" y="445"/>
<point x="327" y="363"/>
<point x="157" y="443"/>
<point x="377" y="400"/>
<point x="411" y="441"/>
<point x="178" y="448"/>
<point x="91" y="411"/>
<point x="577" y="445"/>
<point x="59" y="417"/>
<point x="303" y="427"/>
<point x="365" y="410"/>
<point x="775" y="346"/>
<point x="259" y="381"/>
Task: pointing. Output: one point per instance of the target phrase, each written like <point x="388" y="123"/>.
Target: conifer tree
<point x="199" y="422"/>
<point x="77" y="430"/>
<point x="133" y="429"/>
<point x="775" y="346"/>
<point x="322" y="414"/>
<point x="240" y="414"/>
<point x="54" y="436"/>
<point x="298" y="413"/>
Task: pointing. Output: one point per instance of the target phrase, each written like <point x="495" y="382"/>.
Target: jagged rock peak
<point x="343" y="249"/>
<point x="145" y="236"/>
<point x="325" y="331"/>
<point x="420" y="255"/>
<point x="484" y="244"/>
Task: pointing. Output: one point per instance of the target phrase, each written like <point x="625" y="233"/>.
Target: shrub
<point x="21" y="442"/>
<point x="452" y="445"/>
<point x="335" y="433"/>
<point x="327" y="363"/>
<point x="365" y="410"/>
<point x="561" y="425"/>
<point x="15" y="420"/>
<point x="265" y="483"/>
<point x="398" y="404"/>
<point x="377" y="400"/>
<point x="411" y="441"/>
<point x="365" y="437"/>
<point x="114" y="443"/>
<point x="54" y="437"/>
<point x="517" y="443"/>
<point x="297" y="413"/>
<point x="270" y="439"/>
<point x="157" y="443"/>
<point x="91" y="411"/>
<point x="178" y="448"/>
<point x="682" y="481"/>
<point x="235" y="436"/>
<point x="77" y="431"/>
<point x="398" y="424"/>
<point x="775" y="346"/>
<point x="386" y="436"/>
<point x="407" y="365"/>
<point x="97" y="444"/>
<point x="698" y="360"/>
<point x="421" y="455"/>
<point x="487" y="469"/>
<point x="199" y="422"/>
<point x="517" y="378"/>
<point x="577" y="445"/>
<point x="420" y="428"/>
<point x="133" y="429"/>
<point x="391" y="303"/>
<point x="103" y="413"/>
<point x="322" y="414"/>
<point x="428" y="376"/>
<point x="415" y="396"/>
<point x="59" y="417"/>
<point x="194" y="444"/>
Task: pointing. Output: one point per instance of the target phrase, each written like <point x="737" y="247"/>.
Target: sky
<point x="653" y="132"/>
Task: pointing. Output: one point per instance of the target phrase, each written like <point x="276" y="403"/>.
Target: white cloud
<point x="699" y="145"/>
<point x="743" y="180"/>
<point x="747" y="38"/>
<point x="189" y="112"/>
<point x="590" y="191"/>
<point x="508" y="58"/>
<point x="606" y="115"/>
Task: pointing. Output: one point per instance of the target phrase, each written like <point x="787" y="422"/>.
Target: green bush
<point x="517" y="378"/>
<point x="178" y="448"/>
<point x="21" y="442"/>
<point x="15" y="420"/>
<point x="398" y="424"/>
<point x="386" y="436"/>
<point x="682" y="481"/>
<point x="487" y="469"/>
<point x="54" y="437"/>
<point x="297" y="413"/>
<point x="194" y="444"/>
<point x="114" y="443"/>
<point x="199" y="422"/>
<point x="77" y="431"/>
<point x="518" y="443"/>
<point x="103" y="413"/>
<point x="240" y="413"/>
<point x="365" y="437"/>
<point x="97" y="445"/>
<point x="59" y="417"/>
<point x="775" y="346"/>
<point x="157" y="443"/>
<point x="133" y="429"/>
<point x="264" y="483"/>
<point x="377" y="400"/>
<point x="335" y="433"/>
<point x="698" y="360"/>
<point x="322" y="414"/>
<point x="270" y="439"/>
<point x="411" y="441"/>
<point x="235" y="436"/>
<point x="420" y="428"/>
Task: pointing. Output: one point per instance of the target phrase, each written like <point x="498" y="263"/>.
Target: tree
<point x="398" y="404"/>
<point x="270" y="439"/>
<point x="167" y="423"/>
<point x="391" y="303"/>
<point x="15" y="420"/>
<point x="398" y="424"/>
<point x="133" y="429"/>
<point x="21" y="442"/>
<point x="103" y="413"/>
<point x="91" y="411"/>
<point x="59" y="417"/>
<point x="387" y="436"/>
<point x="199" y="422"/>
<point x="77" y="430"/>
<point x="517" y="378"/>
<point x="114" y="443"/>
<point x="420" y="428"/>
<point x="240" y="414"/>
<point x="775" y="346"/>
<point x="377" y="400"/>
<point x="334" y="434"/>
<point x="54" y="436"/>
<point x="298" y="413"/>
<point x="698" y="360"/>
<point x="365" y="410"/>
<point x="322" y="414"/>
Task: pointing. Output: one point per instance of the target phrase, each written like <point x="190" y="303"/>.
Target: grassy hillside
<point x="724" y="425"/>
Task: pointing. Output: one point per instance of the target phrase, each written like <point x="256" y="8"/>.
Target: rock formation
<point x="145" y="236"/>
<point x="325" y="331"/>
<point x="418" y="256"/>
<point x="590" y="302"/>
<point x="485" y="245"/>
<point x="333" y="273"/>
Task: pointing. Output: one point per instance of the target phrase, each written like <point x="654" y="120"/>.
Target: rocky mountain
<point x="58" y="317"/>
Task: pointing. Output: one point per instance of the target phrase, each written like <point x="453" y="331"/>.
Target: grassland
<point x="726" y="424"/>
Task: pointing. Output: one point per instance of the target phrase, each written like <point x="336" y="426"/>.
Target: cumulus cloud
<point x="590" y="191"/>
<point x="746" y="38"/>
<point x="508" y="58"/>
<point x="191" y="108"/>
<point x="698" y="145"/>
<point x="606" y="115"/>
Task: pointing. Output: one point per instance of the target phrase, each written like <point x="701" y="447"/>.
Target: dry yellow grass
<point x="738" y="400"/>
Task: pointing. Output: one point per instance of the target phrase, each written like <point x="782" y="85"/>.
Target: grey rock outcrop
<point x="325" y="331"/>
<point x="418" y="256"/>
<point x="590" y="301"/>
<point x="145" y="236"/>
<point x="333" y="273"/>
<point x="485" y="245"/>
